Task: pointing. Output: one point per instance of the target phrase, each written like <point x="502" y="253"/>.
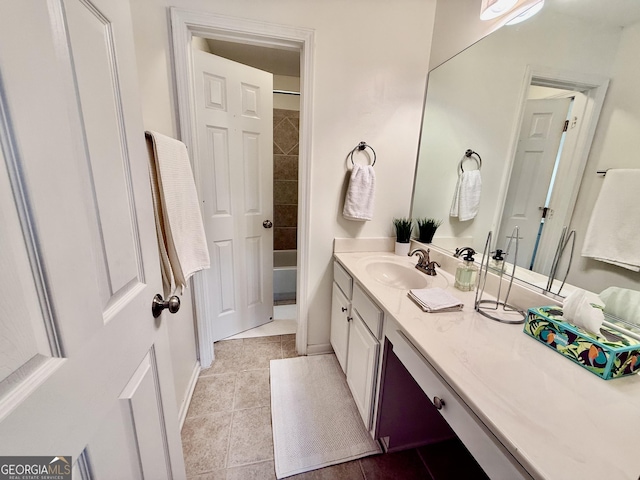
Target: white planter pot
<point x="402" y="248"/>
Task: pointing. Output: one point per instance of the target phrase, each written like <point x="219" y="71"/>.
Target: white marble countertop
<point x="557" y="419"/>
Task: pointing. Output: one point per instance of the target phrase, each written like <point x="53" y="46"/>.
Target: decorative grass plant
<point x="427" y="228"/>
<point x="404" y="226"/>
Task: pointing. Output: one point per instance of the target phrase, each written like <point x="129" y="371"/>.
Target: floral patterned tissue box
<point x="615" y="356"/>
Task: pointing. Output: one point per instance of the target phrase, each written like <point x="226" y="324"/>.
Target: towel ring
<point x="362" y="146"/>
<point x="468" y="154"/>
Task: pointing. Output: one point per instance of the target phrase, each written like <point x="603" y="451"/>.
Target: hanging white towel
<point x="183" y="245"/>
<point x="466" y="198"/>
<point x="614" y="229"/>
<point x="358" y="203"/>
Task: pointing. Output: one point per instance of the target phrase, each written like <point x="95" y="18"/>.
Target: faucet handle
<point x="430" y="268"/>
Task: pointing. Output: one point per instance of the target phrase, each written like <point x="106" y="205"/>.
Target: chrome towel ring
<point x="470" y="154"/>
<point x="362" y="146"/>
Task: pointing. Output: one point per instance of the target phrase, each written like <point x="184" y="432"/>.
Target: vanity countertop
<point x="557" y="419"/>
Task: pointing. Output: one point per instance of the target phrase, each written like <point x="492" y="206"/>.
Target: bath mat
<point x="315" y="420"/>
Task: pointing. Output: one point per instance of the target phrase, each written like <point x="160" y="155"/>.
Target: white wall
<point x="473" y="102"/>
<point x="615" y="146"/>
<point x="371" y="60"/>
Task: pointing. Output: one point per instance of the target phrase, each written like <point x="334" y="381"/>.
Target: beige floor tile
<point x="342" y="471"/>
<point x="204" y="442"/>
<point x="215" y="475"/>
<point x="289" y="349"/>
<point x="259" y="340"/>
<point x="213" y="393"/>
<point x="252" y="389"/>
<point x="259" y="355"/>
<point x="251" y="437"/>
<point x="227" y="360"/>
<point x="257" y="471"/>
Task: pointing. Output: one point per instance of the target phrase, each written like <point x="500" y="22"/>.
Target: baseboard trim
<point x="187" y="399"/>
<point x="319" y="349"/>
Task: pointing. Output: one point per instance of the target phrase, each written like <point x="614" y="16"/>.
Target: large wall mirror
<point x="547" y="104"/>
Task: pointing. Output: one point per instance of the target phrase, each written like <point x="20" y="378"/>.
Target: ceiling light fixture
<point x="491" y="9"/>
<point x="527" y="13"/>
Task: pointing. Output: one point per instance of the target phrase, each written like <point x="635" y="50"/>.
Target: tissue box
<point x="614" y="357"/>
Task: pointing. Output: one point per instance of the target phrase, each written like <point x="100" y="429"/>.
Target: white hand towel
<point x="183" y="245"/>
<point x="435" y="300"/>
<point x="358" y="203"/>
<point x="614" y="229"/>
<point x="466" y="198"/>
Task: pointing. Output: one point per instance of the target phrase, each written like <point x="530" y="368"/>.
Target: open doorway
<point x="284" y="66"/>
<point x="184" y="26"/>
<point x="551" y="145"/>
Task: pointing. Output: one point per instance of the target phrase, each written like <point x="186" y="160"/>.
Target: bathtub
<point x="284" y="276"/>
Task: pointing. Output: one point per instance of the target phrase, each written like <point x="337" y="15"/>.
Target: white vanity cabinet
<point x="365" y="330"/>
<point x="356" y="329"/>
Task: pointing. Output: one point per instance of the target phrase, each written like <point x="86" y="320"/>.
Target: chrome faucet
<point x="424" y="264"/>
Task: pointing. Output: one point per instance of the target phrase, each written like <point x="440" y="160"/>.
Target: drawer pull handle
<point x="438" y="403"/>
<point x="344" y="309"/>
<point x="349" y="319"/>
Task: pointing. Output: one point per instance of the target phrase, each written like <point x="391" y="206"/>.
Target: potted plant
<point x="403" y="226"/>
<point x="427" y="228"/>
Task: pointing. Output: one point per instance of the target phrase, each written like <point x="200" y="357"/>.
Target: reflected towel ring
<point x="362" y="146"/>
<point x="468" y="154"/>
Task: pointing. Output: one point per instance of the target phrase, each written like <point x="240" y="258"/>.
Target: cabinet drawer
<point x="343" y="279"/>
<point x="492" y="456"/>
<point x="368" y="310"/>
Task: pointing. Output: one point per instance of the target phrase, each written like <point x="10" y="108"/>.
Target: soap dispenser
<point x="467" y="271"/>
<point x="497" y="261"/>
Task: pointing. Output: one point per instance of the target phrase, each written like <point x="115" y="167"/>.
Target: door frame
<point x="595" y="88"/>
<point x="184" y="25"/>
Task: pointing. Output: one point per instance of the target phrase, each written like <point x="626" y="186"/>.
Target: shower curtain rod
<point x="286" y="92"/>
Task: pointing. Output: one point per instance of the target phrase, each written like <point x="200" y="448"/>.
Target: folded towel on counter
<point x="614" y="228"/>
<point x="622" y="303"/>
<point x="435" y="300"/>
<point x="466" y="198"/>
<point x="181" y="237"/>
<point x="358" y="203"/>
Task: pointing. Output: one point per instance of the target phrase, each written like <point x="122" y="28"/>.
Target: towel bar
<point x="468" y="154"/>
<point x="362" y="146"/>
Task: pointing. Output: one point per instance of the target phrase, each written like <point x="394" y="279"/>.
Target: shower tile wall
<point x="286" y="125"/>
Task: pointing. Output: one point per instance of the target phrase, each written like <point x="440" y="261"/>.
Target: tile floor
<point x="227" y="434"/>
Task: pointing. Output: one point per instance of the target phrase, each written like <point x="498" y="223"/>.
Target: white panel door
<point x="234" y="172"/>
<point x="85" y="368"/>
<point x="540" y="135"/>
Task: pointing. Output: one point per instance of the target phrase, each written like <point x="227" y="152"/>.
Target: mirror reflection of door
<point x="533" y="176"/>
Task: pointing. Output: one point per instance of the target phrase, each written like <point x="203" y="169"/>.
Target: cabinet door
<point x="362" y="364"/>
<point x="340" y="311"/>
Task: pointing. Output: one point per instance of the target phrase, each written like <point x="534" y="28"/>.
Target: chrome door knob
<point x="267" y="224"/>
<point x="159" y="304"/>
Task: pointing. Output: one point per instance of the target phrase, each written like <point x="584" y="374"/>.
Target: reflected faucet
<point x="425" y="265"/>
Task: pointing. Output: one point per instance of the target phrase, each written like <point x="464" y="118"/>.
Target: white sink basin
<point x="401" y="276"/>
<point x="396" y="275"/>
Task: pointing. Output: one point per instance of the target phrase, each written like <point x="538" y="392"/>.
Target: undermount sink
<point x="396" y="275"/>
<point x="400" y="275"/>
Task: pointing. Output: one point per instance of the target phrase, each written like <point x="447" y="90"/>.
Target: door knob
<point x="267" y="224"/>
<point x="159" y="304"/>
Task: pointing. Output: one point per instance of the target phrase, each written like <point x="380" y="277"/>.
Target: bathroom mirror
<point x="574" y="63"/>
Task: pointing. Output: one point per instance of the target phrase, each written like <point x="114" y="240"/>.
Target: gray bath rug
<point x="315" y="420"/>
